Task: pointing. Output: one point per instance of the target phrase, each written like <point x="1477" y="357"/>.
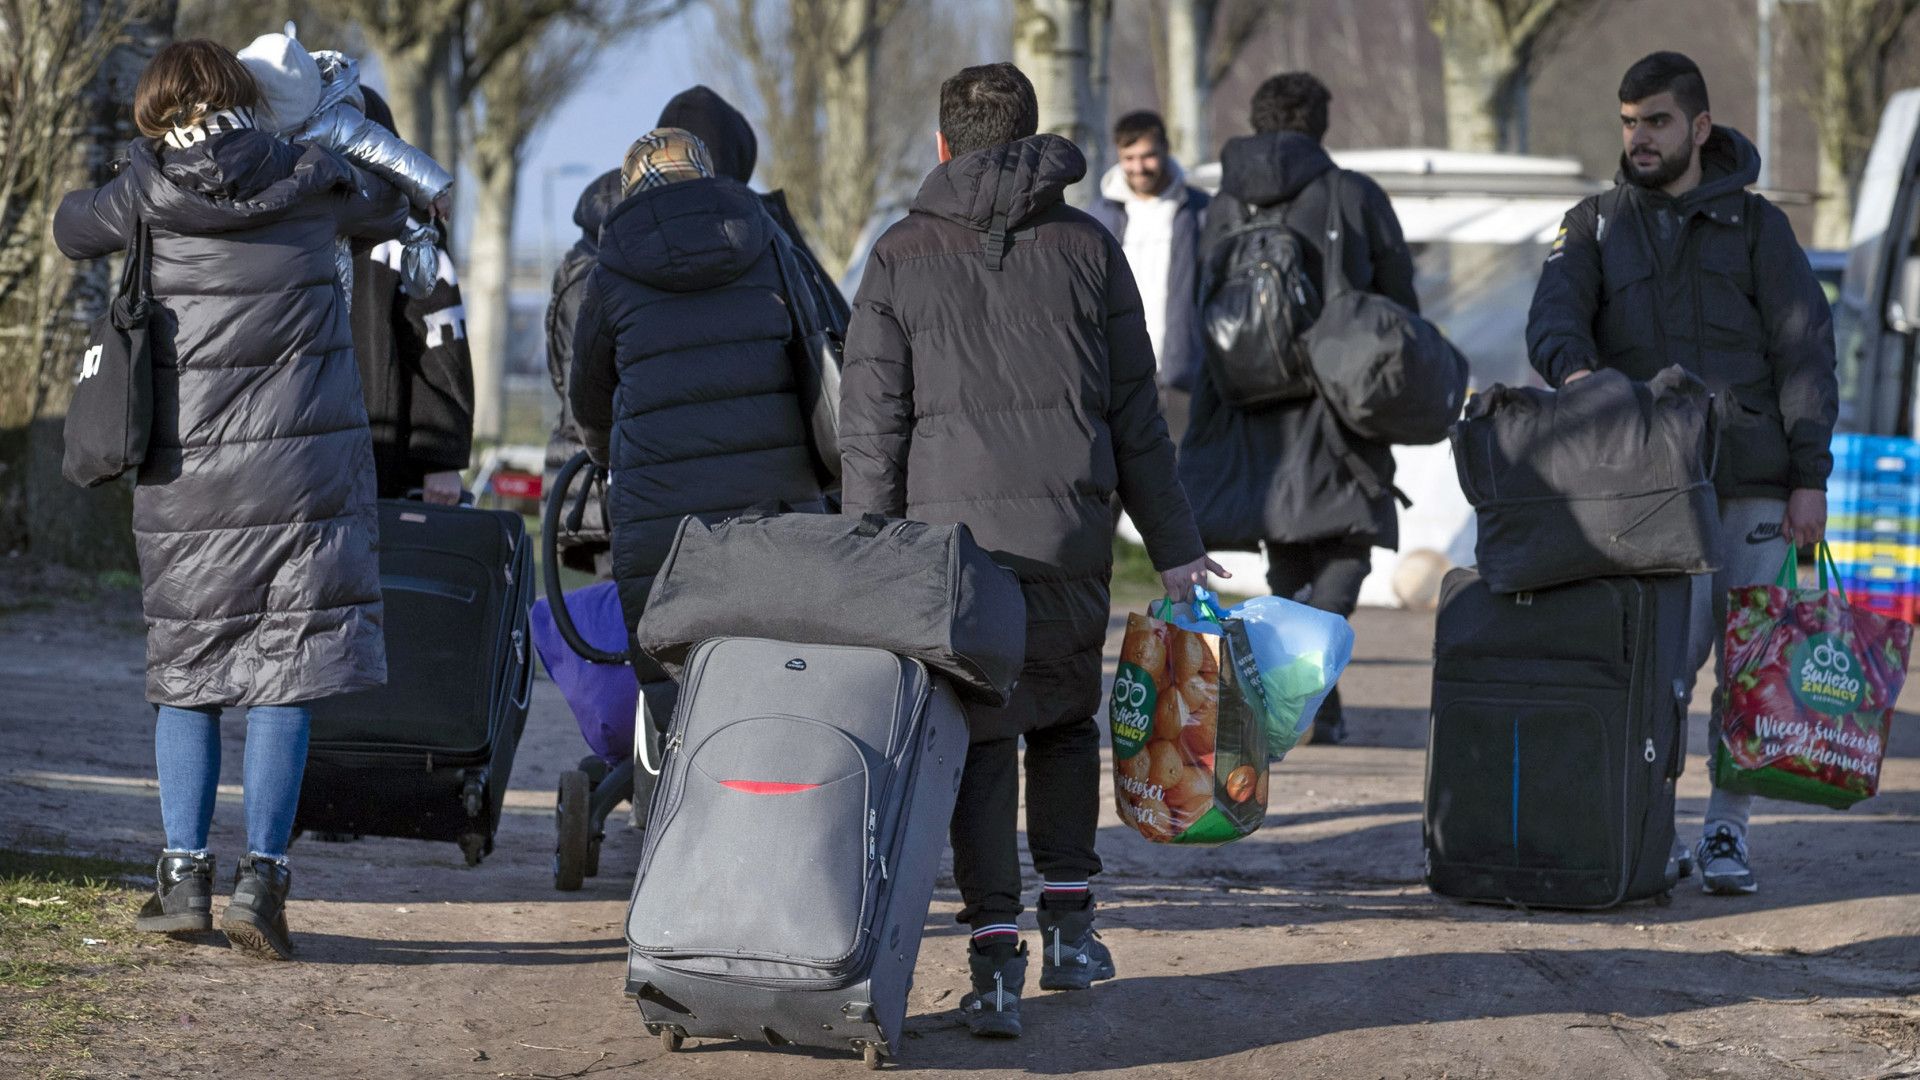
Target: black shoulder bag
<point x="111" y="413"/>
<point x="816" y="355"/>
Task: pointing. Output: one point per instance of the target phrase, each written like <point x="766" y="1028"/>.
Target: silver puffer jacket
<point x="340" y="123"/>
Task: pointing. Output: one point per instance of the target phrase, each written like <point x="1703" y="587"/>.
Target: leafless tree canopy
<point x="1855" y="43"/>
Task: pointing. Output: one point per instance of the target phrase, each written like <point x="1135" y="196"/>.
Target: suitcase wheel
<point x="573" y="834"/>
<point x="474" y="846"/>
<point x="871" y="1055"/>
<point x="670" y="1039"/>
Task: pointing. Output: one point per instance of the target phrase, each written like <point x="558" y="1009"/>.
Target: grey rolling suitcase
<point x="795" y="834"/>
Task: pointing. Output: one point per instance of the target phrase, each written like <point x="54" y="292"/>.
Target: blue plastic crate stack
<point x="1873" y="521"/>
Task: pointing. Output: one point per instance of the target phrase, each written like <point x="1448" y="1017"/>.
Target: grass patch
<point x="69" y="956"/>
<point x="1135" y="582"/>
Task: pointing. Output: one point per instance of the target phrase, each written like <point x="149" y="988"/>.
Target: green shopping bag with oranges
<point x="1811" y="685"/>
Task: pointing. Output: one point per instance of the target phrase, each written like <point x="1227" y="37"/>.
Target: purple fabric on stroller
<point x="604" y="697"/>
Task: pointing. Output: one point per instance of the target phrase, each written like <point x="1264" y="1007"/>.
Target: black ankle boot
<point x="255" y="921"/>
<point x="998" y="974"/>
<point x="182" y="899"/>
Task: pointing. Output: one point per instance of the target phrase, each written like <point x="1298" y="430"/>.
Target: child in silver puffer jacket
<point x="314" y="98"/>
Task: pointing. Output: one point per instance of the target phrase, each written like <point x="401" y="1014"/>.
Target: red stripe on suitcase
<point x="766" y="787"/>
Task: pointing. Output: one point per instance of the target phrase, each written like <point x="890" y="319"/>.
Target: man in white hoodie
<point x="1146" y="203"/>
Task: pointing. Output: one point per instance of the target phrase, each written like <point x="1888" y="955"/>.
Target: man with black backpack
<point x="1679" y="264"/>
<point x="1278" y="469"/>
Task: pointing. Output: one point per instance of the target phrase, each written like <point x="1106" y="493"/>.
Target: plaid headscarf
<point x="664" y="156"/>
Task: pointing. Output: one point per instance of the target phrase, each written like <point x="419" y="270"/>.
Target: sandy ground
<point x="1309" y="950"/>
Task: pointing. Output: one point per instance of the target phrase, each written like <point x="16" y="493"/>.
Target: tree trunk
<point x="1833" y="214"/>
<point x="1054" y="43"/>
<point x="89" y="529"/>
<point x="411" y="74"/>
<point x="486" y="287"/>
<point x="1473" y="71"/>
<point x="850" y="170"/>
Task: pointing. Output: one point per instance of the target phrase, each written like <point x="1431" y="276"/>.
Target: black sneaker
<point x="1071" y="955"/>
<point x="182" y="900"/>
<point x="992" y="1007"/>
<point x="255" y="921"/>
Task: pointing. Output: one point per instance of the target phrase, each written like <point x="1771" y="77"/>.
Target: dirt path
<point x="1310" y="949"/>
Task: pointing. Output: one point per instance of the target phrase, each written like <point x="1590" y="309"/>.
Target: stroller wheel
<point x="595" y="768"/>
<point x="571" y="831"/>
<point x="593" y="857"/>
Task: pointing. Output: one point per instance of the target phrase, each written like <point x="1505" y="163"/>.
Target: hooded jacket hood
<point x="685" y="237"/>
<point x="595" y="204"/>
<point x="232" y="181"/>
<point x="1729" y="163"/>
<point x="1113" y="185"/>
<point x="728" y="135"/>
<point x="1264" y="169"/>
<point x="1020" y="179"/>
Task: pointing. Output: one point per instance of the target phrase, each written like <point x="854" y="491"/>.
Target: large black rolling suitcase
<point x="1558" y="732"/>
<point x="429" y="754"/>
<point x="793" y="841"/>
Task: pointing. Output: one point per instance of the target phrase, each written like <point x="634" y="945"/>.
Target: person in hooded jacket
<point x="1318" y="497"/>
<point x="729" y="138"/>
<point x="414" y="364"/>
<point x="254" y="508"/>
<point x="681" y="382"/>
<point x="998" y="374"/>
<point x="586" y="550"/>
<point x="734" y="150"/>
<point x="1146" y="202"/>
<point x="1680" y="264"/>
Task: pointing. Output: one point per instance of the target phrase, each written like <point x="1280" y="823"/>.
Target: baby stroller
<point x="584" y="644"/>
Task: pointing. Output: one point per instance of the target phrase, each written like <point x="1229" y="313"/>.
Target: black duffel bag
<point x="1388" y="374"/>
<point x="1601" y="478"/>
<point x="928" y="592"/>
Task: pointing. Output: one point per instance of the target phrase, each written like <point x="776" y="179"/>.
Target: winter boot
<point x="255" y="921"/>
<point x="182" y="899"/>
<point x="999" y="973"/>
<point x="1071" y="955"/>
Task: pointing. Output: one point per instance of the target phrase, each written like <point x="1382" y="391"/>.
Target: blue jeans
<point x="186" y="751"/>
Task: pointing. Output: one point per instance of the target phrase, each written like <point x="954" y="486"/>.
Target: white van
<point x="1877" y="315"/>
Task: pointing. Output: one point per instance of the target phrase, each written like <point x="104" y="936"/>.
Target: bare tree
<point x="323" y="24"/>
<point x="66" y="86"/>
<point x="812" y="67"/>
<point x="1855" y="43"/>
<point x="514" y="96"/>
<point x="1062" y="45"/>
<point x="1489" y="50"/>
<point x="1203" y="38"/>
<point x="434" y="54"/>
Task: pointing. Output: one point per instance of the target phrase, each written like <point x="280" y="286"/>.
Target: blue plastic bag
<point x="1301" y="651"/>
<point x="604" y="697"/>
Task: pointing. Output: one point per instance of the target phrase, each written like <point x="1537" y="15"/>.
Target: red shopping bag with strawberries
<point x="1811" y="685"/>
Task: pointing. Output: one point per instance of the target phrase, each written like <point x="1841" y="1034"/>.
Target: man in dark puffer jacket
<point x="1281" y="474"/>
<point x="681" y="381"/>
<point x="999" y="374"/>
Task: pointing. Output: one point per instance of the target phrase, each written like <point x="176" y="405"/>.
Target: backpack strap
<point x="1333" y="265"/>
<point x="997" y="240"/>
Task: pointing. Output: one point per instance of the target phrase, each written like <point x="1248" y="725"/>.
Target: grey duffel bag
<point x="1604" y="477"/>
<point x="927" y="592"/>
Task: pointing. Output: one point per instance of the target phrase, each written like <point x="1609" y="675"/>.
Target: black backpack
<point x="1260" y="300"/>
